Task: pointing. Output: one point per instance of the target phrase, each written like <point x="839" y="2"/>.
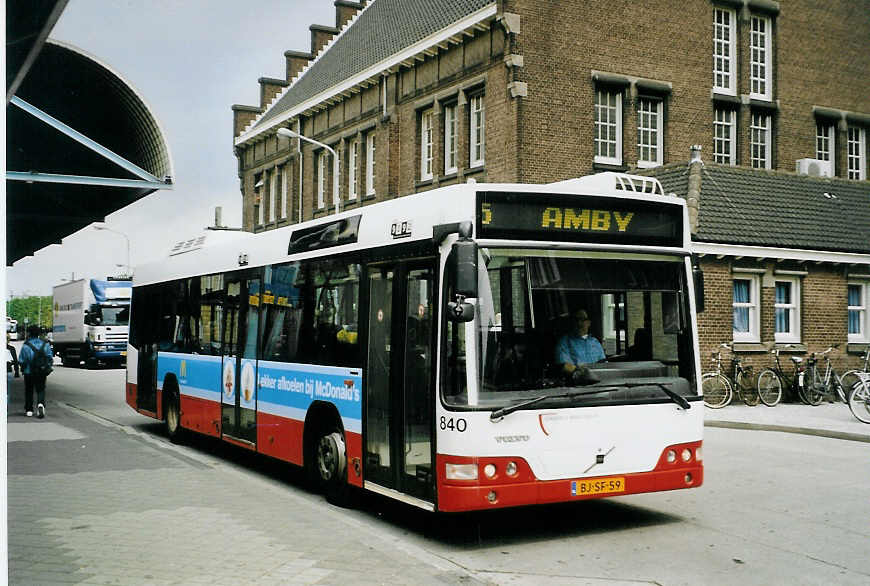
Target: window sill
<point x="599" y="166"/>
<point x="369" y="197"/>
<point x="648" y="164"/>
<point x="474" y="170"/>
<point x="725" y="99"/>
<point x="424" y="182"/>
<point x="793" y="347"/>
<point x="749" y="347"/>
<point x="857" y="347"/>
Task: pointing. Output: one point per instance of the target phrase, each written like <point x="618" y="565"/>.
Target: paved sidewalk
<point x="833" y="420"/>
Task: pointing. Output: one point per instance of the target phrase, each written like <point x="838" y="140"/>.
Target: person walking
<point x="35" y="359"/>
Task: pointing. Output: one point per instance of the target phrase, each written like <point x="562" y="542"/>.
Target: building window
<point x="786" y="310"/>
<point x="608" y="127"/>
<point x="724" y="25"/>
<point x="724" y="139"/>
<point x="760" y="58"/>
<point x="477" y="131"/>
<point x="759" y="141"/>
<point x="370" y="163"/>
<point x="427" y="143"/>
<point x="858" y="299"/>
<point x="745" y="304"/>
<point x="857" y="153"/>
<point x="649" y="132"/>
<point x="825" y="143"/>
<point x="273" y="195"/>
<point x="450" y="139"/>
<point x="321" y="179"/>
<point x="258" y="198"/>
<point x="352" y="162"/>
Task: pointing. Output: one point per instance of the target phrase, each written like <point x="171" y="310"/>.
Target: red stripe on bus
<point x="201" y="415"/>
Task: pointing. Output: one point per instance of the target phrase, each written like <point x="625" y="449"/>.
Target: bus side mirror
<point x="698" y="276"/>
<point x="460" y="311"/>
<point x="465" y="255"/>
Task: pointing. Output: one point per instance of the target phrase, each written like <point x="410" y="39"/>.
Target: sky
<point x="190" y="60"/>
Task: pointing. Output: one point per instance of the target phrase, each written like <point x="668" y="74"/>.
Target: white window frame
<point x="321" y="180"/>
<point x="649" y="132"/>
<point x="259" y="184"/>
<point x="284" y="171"/>
<point x="476" y="131"/>
<point x="760" y="58"/>
<point x="724" y="51"/>
<point x="754" y="333"/>
<point x="370" y="163"/>
<point x="427" y="144"/>
<point x="451" y="126"/>
<point x="794" y="309"/>
<point x="825" y="143"/>
<point x="273" y="195"/>
<point x="607" y="118"/>
<point x="725" y="122"/>
<point x="352" y="175"/>
<point x="759" y="140"/>
<point x="608" y="322"/>
<point x="862" y="336"/>
<point x="856" y="153"/>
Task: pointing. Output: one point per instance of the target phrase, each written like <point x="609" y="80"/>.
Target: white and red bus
<point x="409" y="347"/>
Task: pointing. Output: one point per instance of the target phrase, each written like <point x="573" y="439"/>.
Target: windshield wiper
<point x="499" y="414"/>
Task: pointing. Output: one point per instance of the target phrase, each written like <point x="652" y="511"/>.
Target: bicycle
<point x="719" y="390"/>
<point x="772" y="380"/>
<point x="715" y="385"/>
<point x="852" y="377"/>
<point x="820" y="387"/>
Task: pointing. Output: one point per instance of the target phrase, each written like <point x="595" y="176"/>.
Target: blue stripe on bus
<point x="284" y="389"/>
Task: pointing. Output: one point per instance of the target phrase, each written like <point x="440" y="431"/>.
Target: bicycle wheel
<point x="859" y="401"/>
<point x="769" y="387"/>
<point x="716" y="389"/>
<point x="746" y="388"/>
<point x="814" y="387"/>
<point x="850" y="379"/>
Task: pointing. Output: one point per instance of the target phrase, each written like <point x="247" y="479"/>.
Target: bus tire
<point x="330" y="465"/>
<point x="172" y="417"/>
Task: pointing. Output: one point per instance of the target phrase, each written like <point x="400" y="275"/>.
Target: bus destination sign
<point x="578" y="218"/>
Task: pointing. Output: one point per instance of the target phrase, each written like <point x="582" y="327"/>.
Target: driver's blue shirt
<point x="578" y="350"/>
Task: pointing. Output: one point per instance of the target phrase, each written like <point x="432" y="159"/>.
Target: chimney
<point x="344" y="11"/>
<point x="320" y="35"/>
<point x="218" y="210"/>
<point x="296" y="62"/>
<point x="242" y="116"/>
<point x="269" y="88"/>
<point x="693" y="193"/>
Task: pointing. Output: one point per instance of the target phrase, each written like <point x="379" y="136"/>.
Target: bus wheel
<point x="331" y="462"/>
<point x="172" y="418"/>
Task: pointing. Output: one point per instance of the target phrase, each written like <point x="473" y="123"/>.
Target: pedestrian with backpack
<point x="36" y="361"/>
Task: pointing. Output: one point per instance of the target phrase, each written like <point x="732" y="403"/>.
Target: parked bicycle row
<point x="811" y="381"/>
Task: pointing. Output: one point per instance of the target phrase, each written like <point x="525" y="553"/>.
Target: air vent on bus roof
<point x="610" y="181"/>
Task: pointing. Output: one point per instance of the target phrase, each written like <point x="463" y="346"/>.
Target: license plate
<point x="608" y="485"/>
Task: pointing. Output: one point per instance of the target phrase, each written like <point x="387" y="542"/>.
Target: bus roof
<point x="405" y="219"/>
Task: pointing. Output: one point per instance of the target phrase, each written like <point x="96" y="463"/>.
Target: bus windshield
<point x="638" y="335"/>
<point x="115" y="315"/>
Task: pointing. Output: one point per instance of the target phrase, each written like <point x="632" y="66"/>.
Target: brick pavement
<point x="93" y="503"/>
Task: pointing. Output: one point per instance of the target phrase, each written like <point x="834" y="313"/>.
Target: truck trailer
<point x="91" y="322"/>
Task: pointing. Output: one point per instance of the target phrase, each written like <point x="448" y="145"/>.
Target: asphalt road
<point x="775" y="508"/>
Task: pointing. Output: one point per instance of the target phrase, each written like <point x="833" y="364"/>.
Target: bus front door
<point x="239" y="367"/>
<point x="400" y="380"/>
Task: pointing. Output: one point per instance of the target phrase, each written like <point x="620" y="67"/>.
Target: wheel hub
<point x="331" y="457"/>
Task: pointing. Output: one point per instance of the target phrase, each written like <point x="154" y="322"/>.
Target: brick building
<point x="415" y="94"/>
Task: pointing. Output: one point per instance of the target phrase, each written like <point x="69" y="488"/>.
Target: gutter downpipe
<point x="299" y="152"/>
<point x="693" y="193"/>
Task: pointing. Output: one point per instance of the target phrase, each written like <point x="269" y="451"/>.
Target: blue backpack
<point x="40" y="363"/>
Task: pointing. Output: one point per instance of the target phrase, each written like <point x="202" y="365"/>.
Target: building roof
<point x="380" y="31"/>
<point x="753" y="207"/>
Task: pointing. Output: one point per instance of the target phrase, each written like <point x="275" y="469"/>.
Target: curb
<point x="844" y="435"/>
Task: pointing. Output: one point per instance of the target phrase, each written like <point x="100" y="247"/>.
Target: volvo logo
<point x="510" y="439"/>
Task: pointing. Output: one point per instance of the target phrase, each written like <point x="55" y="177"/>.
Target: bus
<point x="408" y="347"/>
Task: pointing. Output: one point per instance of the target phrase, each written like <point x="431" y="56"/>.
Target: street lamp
<point x="286" y="132"/>
<point x="127" y="238"/>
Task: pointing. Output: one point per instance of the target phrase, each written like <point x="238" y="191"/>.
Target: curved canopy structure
<point x="80" y="144"/>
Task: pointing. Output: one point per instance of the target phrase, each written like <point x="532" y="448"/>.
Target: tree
<point x="31" y="310"/>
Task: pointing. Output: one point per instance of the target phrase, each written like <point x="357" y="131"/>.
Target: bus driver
<point x="577" y="349"/>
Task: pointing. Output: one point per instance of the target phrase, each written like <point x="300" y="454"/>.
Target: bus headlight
<point x="460" y="471"/>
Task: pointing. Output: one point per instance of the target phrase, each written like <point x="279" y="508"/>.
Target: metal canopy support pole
<point x="33" y="177"/>
<point x="82" y="139"/>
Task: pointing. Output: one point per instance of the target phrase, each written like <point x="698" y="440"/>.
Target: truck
<point x="91" y="322"/>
